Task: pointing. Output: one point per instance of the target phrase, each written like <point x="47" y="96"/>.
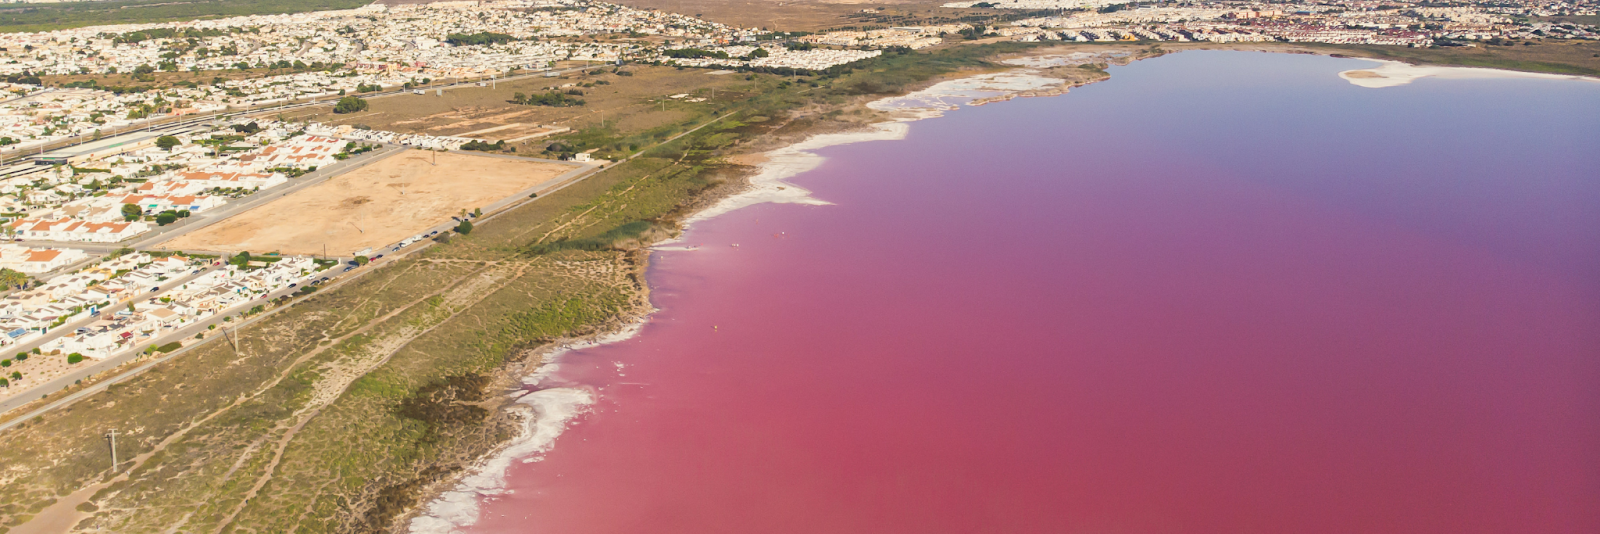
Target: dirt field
<point x="373" y="206"/>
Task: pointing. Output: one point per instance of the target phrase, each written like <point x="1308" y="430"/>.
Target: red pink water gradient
<point x="1219" y="293"/>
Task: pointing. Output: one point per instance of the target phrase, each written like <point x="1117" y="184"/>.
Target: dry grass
<point x="629" y="103"/>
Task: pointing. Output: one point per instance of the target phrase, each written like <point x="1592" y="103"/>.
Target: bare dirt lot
<point x="373" y="206"/>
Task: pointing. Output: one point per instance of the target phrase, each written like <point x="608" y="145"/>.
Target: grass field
<point x="376" y="205"/>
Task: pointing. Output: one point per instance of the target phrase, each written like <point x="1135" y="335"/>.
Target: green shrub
<point x="350" y="104"/>
<point x="74" y="358"/>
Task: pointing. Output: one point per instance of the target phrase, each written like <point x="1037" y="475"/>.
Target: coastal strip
<point x="548" y="405"/>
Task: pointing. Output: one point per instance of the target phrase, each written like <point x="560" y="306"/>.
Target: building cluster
<point x="77" y="204"/>
<point x="913" y="37"/>
<point x="442" y="39"/>
<point x="1395" y="23"/>
<point x="328" y="54"/>
<point x="777" y="57"/>
<point x="82" y="300"/>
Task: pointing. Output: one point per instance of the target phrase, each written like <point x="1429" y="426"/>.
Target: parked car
<point x="292" y="285"/>
<point x="347" y="269"/>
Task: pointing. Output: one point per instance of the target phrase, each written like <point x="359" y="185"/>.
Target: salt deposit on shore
<point x="1394" y="73"/>
<point x="545" y="415"/>
<point x="768" y="185"/>
<point x="948" y="95"/>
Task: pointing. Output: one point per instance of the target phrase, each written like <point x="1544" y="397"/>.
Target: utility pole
<point x="113" y="436"/>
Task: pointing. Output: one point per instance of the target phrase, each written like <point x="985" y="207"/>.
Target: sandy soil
<point x="376" y="205"/>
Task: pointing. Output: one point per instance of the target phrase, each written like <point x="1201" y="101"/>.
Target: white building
<point x="37" y="260"/>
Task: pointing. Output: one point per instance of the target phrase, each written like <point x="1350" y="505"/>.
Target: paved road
<point x="194" y="223"/>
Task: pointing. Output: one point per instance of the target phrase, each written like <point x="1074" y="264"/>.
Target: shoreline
<point x="542" y="414"/>
<point x="525" y="394"/>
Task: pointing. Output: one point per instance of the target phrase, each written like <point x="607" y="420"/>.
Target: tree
<point x="350" y="104"/>
<point x="74" y="358"/>
<point x="464" y="228"/>
<point x="166" y="218"/>
<point x="131" y="212"/>
<point x="11" y="278"/>
<point x="362" y="260"/>
<point x="166" y="142"/>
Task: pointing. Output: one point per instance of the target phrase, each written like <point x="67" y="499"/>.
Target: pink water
<point x="1220" y="293"/>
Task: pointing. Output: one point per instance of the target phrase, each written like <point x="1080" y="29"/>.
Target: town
<point x="1412" y="24"/>
<point x="304" y="57"/>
